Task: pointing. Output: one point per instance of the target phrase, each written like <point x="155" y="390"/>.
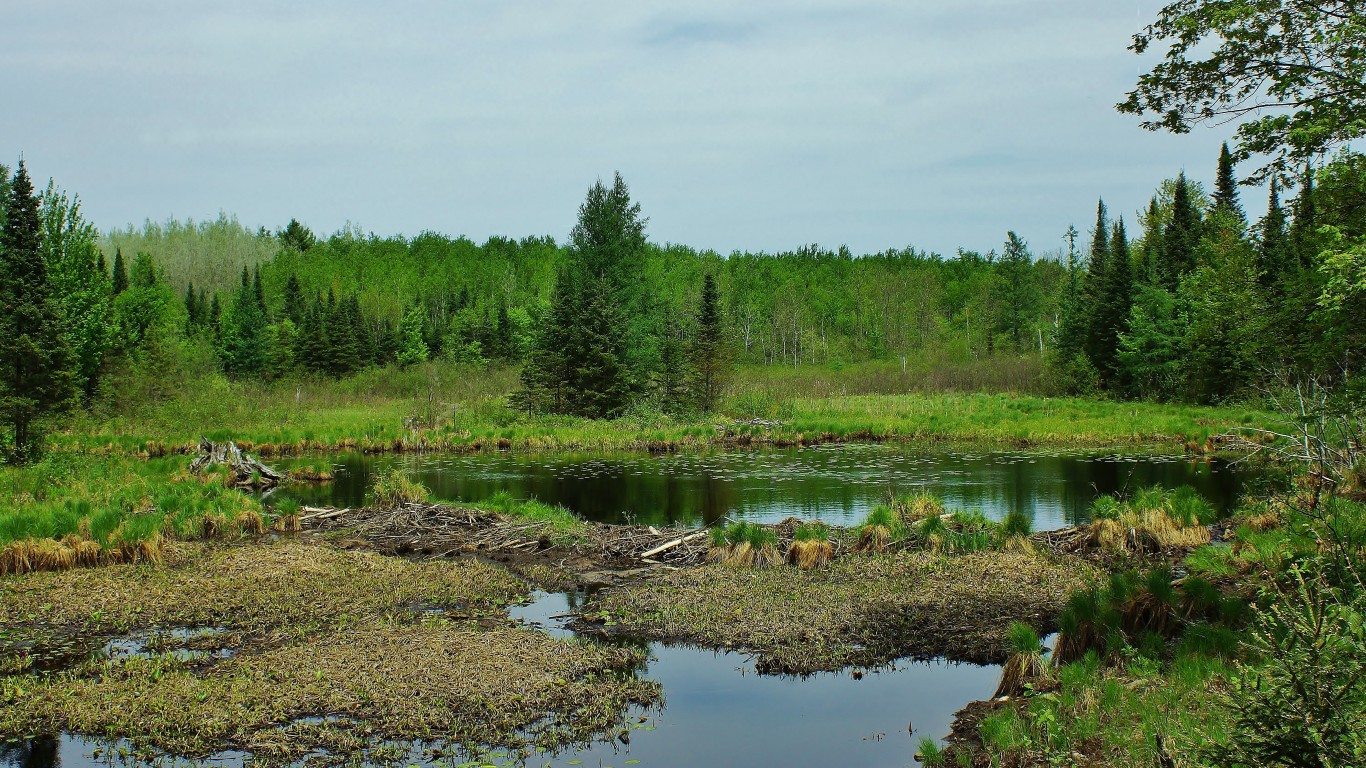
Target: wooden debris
<point x="246" y="471"/>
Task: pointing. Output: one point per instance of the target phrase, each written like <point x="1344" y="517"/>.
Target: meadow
<point x="455" y="407"/>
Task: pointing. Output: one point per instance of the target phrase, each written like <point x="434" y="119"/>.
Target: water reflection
<point x="835" y="483"/>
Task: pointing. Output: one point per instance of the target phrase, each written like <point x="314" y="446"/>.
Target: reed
<point x="811" y="546"/>
<point x="1026" y="666"/>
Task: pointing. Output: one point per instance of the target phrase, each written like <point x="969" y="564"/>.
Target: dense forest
<point x="1192" y="301"/>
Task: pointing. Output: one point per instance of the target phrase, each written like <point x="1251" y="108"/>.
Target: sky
<point x="756" y="126"/>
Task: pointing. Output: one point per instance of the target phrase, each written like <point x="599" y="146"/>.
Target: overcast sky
<point x="754" y="126"/>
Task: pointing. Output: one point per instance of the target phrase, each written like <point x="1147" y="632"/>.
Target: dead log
<point x="671" y="544"/>
<point x="245" y="471"/>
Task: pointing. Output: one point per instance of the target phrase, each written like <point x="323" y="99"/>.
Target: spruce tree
<point x="36" y="366"/>
<point x="245" y="333"/>
<point x="1151" y="256"/>
<point x="1226" y="186"/>
<point x="1181" y="236"/>
<point x="294" y="305"/>
<point x="1093" y="289"/>
<point x="596" y="354"/>
<point x="311" y="339"/>
<point x="1273" y="244"/>
<point x="192" y="318"/>
<point x="216" y="318"/>
<point x="259" y="292"/>
<point x="707" y="355"/>
<point x="101" y="265"/>
<point x="1117" y="297"/>
<point x="120" y="273"/>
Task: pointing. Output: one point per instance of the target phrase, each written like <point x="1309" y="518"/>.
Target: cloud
<point x="760" y="126"/>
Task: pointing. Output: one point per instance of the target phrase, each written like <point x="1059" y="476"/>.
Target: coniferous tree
<point x="596" y="354"/>
<point x="1226" y="186"/>
<point x="1116" y="302"/>
<point x="36" y="367"/>
<point x="1273" y="246"/>
<point x="547" y="375"/>
<point x="259" y="292"/>
<point x="1181" y="236"/>
<point x="216" y="319"/>
<point x="120" y="273"/>
<point x="1018" y="297"/>
<point x="708" y="353"/>
<point x="311" y="339"/>
<point x="244" y="333"/>
<point x="1093" y="289"/>
<point x="1302" y="228"/>
<point x="1151" y="254"/>
<point x="294" y="304"/>
<point x="192" y="318"/>
<point x="100" y="264"/>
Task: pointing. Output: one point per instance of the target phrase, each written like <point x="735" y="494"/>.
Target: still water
<point x="836" y="483"/>
<point x="717" y="711"/>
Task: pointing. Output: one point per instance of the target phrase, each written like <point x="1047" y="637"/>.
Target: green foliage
<point x="1304" y="702"/>
<point x="209" y="254"/>
<point x="38" y="371"/>
<point x="396" y="487"/>
<point x="1225" y="61"/>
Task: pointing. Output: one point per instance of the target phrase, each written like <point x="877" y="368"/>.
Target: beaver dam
<point x="432" y="634"/>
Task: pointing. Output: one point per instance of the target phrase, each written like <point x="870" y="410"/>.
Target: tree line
<point x="1201" y="305"/>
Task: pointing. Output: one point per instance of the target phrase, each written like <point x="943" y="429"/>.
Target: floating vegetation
<point x="396" y="487"/>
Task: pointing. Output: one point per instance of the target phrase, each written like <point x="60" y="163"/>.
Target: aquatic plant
<point x="743" y="544"/>
<point x="930" y="754"/>
<point x="1152" y="520"/>
<point x="811" y="546"/>
<point x="396" y="487"/>
<point x="1025" y="665"/>
<point x="882" y="528"/>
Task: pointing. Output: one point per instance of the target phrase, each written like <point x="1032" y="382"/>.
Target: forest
<point x="1192" y="301"/>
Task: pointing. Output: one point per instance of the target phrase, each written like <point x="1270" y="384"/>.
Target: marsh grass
<point x="67" y="512"/>
<point x="396" y="487"/>
<point x="1153" y="519"/>
<point x="744" y="545"/>
<point x="811" y="546"/>
<point x="1026" y="666"/>
<point x="882" y="528"/>
<point x="451" y="407"/>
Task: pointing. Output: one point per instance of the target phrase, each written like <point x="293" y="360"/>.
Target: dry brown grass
<point x="813" y="553"/>
<point x="1149" y="530"/>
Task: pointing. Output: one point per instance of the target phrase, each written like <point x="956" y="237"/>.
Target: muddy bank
<point x="326" y="650"/>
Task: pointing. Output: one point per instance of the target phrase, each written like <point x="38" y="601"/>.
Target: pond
<point x="717" y="711"/>
<point x="836" y="483"/>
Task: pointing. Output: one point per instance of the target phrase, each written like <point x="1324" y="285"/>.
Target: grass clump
<point x="882" y="528"/>
<point x="811" y="546"/>
<point x="1026" y="666"/>
<point x="744" y="545"/>
<point x="396" y="487"/>
<point x="1152" y="520"/>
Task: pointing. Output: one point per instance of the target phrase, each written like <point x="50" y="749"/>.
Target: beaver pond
<point x="717" y="709"/>
<point x="835" y="483"/>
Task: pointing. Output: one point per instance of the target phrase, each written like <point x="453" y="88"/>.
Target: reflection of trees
<point x="35" y="753"/>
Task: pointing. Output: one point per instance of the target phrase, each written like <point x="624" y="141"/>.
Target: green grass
<point x="444" y="406"/>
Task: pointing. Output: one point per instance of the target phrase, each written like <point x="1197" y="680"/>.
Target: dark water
<point x="835" y="483"/>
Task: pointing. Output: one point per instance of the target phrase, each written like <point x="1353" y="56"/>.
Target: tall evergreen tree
<point x="1093" y="289"/>
<point x="1302" y="228"/>
<point x="1151" y="254"/>
<point x="1018" y="297"/>
<point x="1181" y="236"/>
<point x="120" y="272"/>
<point x="294" y="303"/>
<point x="341" y="331"/>
<point x="596" y="354"/>
<point x="1273" y="244"/>
<point x="36" y="368"/>
<point x="259" y="292"/>
<point x="192" y="318"/>
<point x="1226" y="186"/>
<point x="1115" y="304"/>
<point x="708" y="353"/>
<point x="244" y="333"/>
